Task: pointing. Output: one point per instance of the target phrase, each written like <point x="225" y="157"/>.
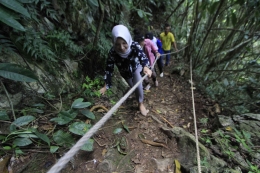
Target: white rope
<point x="195" y="122"/>
<point x="66" y="158"/>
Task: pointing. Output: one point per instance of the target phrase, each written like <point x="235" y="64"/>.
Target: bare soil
<point x="170" y="104"/>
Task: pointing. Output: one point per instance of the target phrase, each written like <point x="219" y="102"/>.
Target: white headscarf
<point x="123" y="32"/>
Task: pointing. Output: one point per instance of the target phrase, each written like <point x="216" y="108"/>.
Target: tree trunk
<point x="101" y="8"/>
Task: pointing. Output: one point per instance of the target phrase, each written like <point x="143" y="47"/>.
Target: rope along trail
<point x="66" y="158"/>
<point x="195" y="121"/>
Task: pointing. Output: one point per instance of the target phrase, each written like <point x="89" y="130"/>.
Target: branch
<point x="213" y="21"/>
<point x="173" y="11"/>
<point x="232" y="29"/>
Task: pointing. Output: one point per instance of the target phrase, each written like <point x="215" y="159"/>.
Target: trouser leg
<point x="160" y="64"/>
<point x="132" y="81"/>
<point x="167" y="57"/>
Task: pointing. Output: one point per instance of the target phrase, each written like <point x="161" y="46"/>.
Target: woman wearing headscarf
<point x="130" y="60"/>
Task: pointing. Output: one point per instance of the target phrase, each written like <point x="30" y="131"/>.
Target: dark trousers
<point x="167" y="56"/>
<point x="160" y="64"/>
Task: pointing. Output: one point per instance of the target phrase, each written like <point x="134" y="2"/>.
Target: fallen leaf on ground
<point x="104" y="152"/>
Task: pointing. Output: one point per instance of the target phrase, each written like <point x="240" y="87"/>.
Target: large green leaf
<point x="4" y="116"/>
<point x="22" y="142"/>
<point x="17" y="73"/>
<point x="42" y="136"/>
<point x="28" y="135"/>
<point x="88" y="114"/>
<point x="80" y="104"/>
<point x="79" y="128"/>
<point x="63" y="138"/>
<point x="21" y="121"/>
<point x="88" y="146"/>
<point x="8" y="18"/>
<point x="15" y="6"/>
<point x="140" y="13"/>
<point x="64" y="117"/>
<point x="53" y="149"/>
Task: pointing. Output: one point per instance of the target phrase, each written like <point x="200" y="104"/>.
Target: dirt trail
<point x="170" y="104"/>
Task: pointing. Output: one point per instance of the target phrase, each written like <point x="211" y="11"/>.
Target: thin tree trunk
<point x="213" y="21"/>
<point x="101" y="8"/>
<point x="192" y="31"/>
<point x="174" y="11"/>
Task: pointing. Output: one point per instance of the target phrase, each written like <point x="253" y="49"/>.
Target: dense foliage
<point x="222" y="39"/>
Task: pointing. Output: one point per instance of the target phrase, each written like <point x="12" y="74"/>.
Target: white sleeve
<point x="155" y="42"/>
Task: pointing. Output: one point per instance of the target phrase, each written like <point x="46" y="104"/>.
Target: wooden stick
<point x="163" y="118"/>
<point x="98" y="106"/>
<point x="153" y="143"/>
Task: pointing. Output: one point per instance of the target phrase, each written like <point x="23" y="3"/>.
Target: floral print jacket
<point x="126" y="66"/>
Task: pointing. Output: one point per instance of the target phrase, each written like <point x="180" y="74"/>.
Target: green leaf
<point x="7" y="148"/>
<point x="53" y="149"/>
<point x="88" y="146"/>
<point x="93" y="3"/>
<point x="15" y="6"/>
<point x="16" y="73"/>
<point x="38" y="105"/>
<point x="63" y="139"/>
<point x="226" y="83"/>
<point x="27" y="135"/>
<point x="80" y="104"/>
<point x="64" y="117"/>
<point x="4" y="116"/>
<point x="117" y="130"/>
<point x="88" y="114"/>
<point x="39" y="111"/>
<point x="140" y="13"/>
<point x="26" y="1"/>
<point x="42" y="137"/>
<point x="79" y="128"/>
<point x="2" y="137"/>
<point x="22" y="142"/>
<point x="21" y="121"/>
<point x="126" y="128"/>
<point x="18" y="151"/>
<point x="7" y="17"/>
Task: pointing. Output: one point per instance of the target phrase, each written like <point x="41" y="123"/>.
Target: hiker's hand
<point x="103" y="90"/>
<point x="147" y="71"/>
<point x="158" y="54"/>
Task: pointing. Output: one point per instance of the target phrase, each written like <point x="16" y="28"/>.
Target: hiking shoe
<point x="148" y="86"/>
<point x="156" y="83"/>
<point x="161" y="75"/>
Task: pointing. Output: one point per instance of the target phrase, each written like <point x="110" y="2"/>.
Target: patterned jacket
<point x="126" y="66"/>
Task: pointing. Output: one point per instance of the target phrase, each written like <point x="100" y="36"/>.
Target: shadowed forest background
<point x="221" y="39"/>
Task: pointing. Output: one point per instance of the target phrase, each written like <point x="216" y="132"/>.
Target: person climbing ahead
<point x="150" y="50"/>
<point x="168" y="40"/>
<point x="158" y="43"/>
<point x="130" y="60"/>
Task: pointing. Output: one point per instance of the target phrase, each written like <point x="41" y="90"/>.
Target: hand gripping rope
<point x="66" y="158"/>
